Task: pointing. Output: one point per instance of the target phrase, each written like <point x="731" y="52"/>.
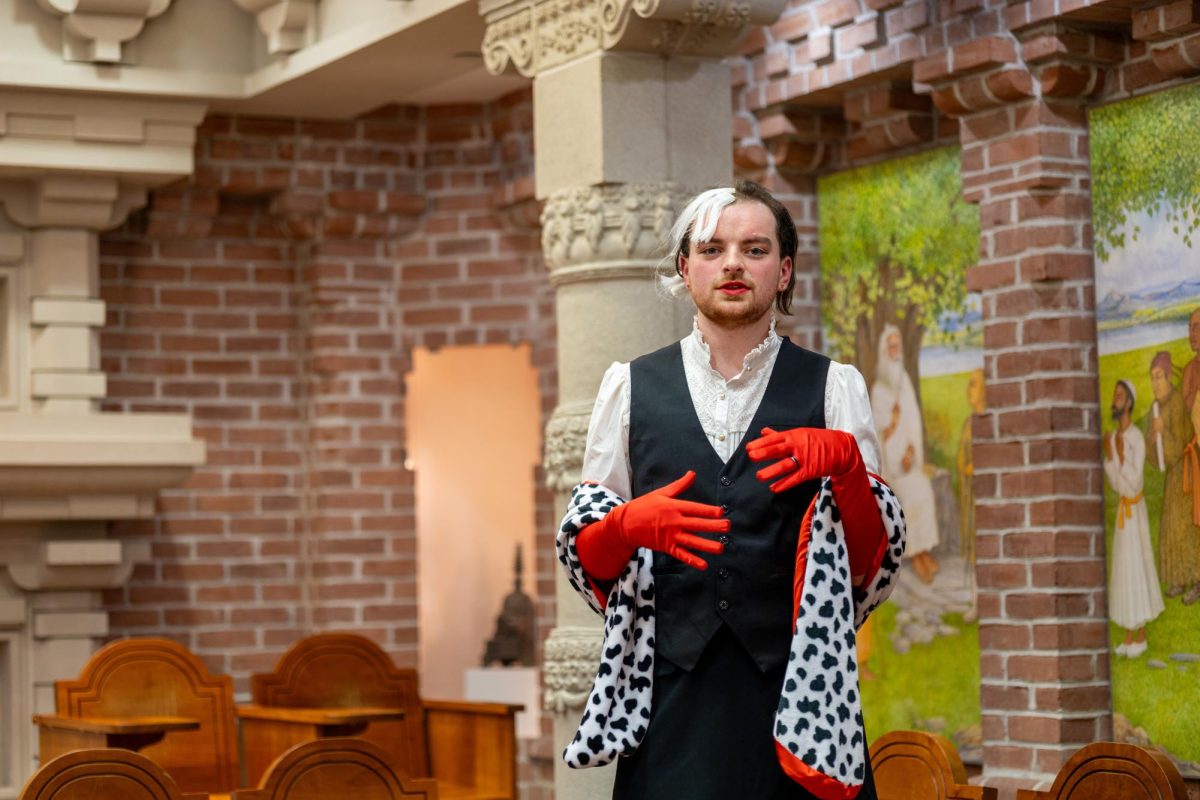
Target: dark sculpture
<point x="512" y="643"/>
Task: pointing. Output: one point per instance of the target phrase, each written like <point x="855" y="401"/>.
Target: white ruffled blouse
<point x="725" y="408"/>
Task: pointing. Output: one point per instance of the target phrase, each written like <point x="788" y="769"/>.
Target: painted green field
<point x="1166" y="702"/>
<point x="933" y="686"/>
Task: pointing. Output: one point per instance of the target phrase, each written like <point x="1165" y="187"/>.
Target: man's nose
<point x="734" y="262"/>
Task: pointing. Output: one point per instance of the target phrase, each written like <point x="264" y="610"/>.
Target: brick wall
<point x="276" y="296"/>
<point x="839" y="83"/>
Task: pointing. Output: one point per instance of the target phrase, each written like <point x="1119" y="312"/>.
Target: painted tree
<point x="896" y="241"/>
<point x="1147" y="148"/>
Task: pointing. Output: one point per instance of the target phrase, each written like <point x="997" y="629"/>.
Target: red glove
<point x="657" y="520"/>
<point x="808" y="453"/>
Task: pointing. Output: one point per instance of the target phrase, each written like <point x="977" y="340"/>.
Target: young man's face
<point x="733" y="278"/>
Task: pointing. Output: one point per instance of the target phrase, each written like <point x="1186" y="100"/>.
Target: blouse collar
<point x="755" y="361"/>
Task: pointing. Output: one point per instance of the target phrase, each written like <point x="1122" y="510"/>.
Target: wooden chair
<point x="468" y="748"/>
<point x="912" y="765"/>
<point x="1113" y="771"/>
<point x="107" y="774"/>
<point x="326" y="769"/>
<point x="155" y="696"/>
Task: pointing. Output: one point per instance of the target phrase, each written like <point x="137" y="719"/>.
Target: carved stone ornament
<point x="617" y="222"/>
<point x="571" y="656"/>
<point x="287" y="24"/>
<point x="70" y="201"/>
<point x="96" y="30"/>
<point x="532" y="35"/>
<point x="566" y="437"/>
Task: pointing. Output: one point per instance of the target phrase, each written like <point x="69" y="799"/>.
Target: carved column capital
<point x="96" y="30"/>
<point x="533" y="35"/>
<point x="571" y="656"/>
<point x="607" y="227"/>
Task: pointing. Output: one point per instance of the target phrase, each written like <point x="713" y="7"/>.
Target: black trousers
<point x="710" y="734"/>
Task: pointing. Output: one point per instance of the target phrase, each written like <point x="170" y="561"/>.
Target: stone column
<point x="1021" y="97"/>
<point x="631" y="116"/>
<point x="70" y="166"/>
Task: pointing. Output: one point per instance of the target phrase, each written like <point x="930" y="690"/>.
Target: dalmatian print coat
<point x="819" y="737"/>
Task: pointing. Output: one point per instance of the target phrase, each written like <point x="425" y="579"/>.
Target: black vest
<point x="749" y="586"/>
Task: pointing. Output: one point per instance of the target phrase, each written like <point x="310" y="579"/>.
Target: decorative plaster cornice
<point x="96" y="30"/>
<point x="287" y="24"/>
<point x="533" y="35"/>
<point x="609" y="223"/>
<point x="69" y="201"/>
<point x="572" y="654"/>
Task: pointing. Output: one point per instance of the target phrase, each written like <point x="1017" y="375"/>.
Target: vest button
<point x="724" y="539"/>
<point x="723" y="572"/>
<point x="724" y="508"/>
<point x="725" y="481"/>
<point x="723" y="605"/>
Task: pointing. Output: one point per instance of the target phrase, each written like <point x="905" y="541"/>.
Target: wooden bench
<point x="468" y="748"/>
<point x="330" y="769"/>
<point x="1113" y="771"/>
<point x="105" y="774"/>
<point x="913" y="765"/>
<point x="154" y="696"/>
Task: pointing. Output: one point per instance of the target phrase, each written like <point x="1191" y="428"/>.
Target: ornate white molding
<point x="571" y="656"/>
<point x="97" y="30"/>
<point x="70" y="201"/>
<point x="566" y="437"/>
<point x="287" y="24"/>
<point x="533" y="35"/>
<point x="609" y="223"/>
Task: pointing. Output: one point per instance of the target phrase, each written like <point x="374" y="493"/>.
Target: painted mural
<point x="1146" y="215"/>
<point x="896" y="240"/>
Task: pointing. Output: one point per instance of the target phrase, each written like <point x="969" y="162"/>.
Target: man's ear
<point x="785" y="273"/>
<point x="681" y="266"/>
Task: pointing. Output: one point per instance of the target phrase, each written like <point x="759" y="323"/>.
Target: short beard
<point x="731" y="316"/>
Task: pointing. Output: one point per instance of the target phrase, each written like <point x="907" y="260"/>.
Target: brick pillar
<point x="1043" y="626"/>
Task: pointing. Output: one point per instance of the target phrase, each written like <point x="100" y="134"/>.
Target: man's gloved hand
<point x="804" y="454"/>
<point x="657" y="520"/>
<point x="808" y="453"/>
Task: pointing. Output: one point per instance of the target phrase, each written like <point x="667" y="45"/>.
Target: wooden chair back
<point x="345" y="670"/>
<point x="107" y="774"/>
<point x="336" y="768"/>
<point x="913" y="765"/>
<point x="159" y="677"/>
<point x="1113" y="771"/>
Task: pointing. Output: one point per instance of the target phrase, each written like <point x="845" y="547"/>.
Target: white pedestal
<point x="508" y="685"/>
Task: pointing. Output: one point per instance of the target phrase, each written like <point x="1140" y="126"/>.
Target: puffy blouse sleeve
<point x="848" y="408"/>
<point x="606" y="458"/>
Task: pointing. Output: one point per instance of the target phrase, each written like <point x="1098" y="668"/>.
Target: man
<point x="1191" y="370"/>
<point x="898" y="421"/>
<point x="1134" y="597"/>
<point x="727" y="671"/>
<point x="1178" y="534"/>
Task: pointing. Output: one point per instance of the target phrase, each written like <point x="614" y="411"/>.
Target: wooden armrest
<point x="116" y="725"/>
<point x="320" y="716"/>
<point x="466" y="706"/>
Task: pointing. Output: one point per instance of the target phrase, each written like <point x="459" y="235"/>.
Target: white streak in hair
<point x="700" y="217"/>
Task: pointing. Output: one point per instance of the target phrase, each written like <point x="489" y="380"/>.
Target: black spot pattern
<point x="818" y="711"/>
